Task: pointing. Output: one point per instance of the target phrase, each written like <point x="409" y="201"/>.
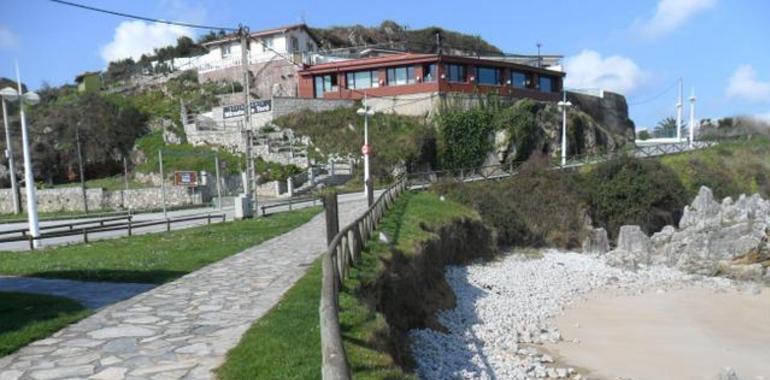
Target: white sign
<point x="237" y="110"/>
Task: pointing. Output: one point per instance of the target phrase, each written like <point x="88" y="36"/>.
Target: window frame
<point x="374" y="79"/>
<point x="427" y="72"/>
<point x="462" y="69"/>
<point x="551" y="81"/>
<point x="392" y="79"/>
<point x="333" y="84"/>
<point x="498" y="75"/>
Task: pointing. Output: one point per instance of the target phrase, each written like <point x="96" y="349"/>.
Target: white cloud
<point x="744" y="85"/>
<point x="8" y="39"/>
<point x="589" y="70"/>
<point x="670" y="14"/>
<point x="134" y="38"/>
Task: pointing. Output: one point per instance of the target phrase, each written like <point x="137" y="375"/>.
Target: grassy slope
<point x="182" y="156"/>
<point x="152" y="258"/>
<point x="285" y="343"/>
<point x="27" y="317"/>
<point x="730" y="169"/>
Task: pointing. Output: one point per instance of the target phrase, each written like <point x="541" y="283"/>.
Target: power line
<point x="664" y="92"/>
<point x="149" y="19"/>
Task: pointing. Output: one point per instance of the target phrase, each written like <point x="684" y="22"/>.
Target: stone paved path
<point x="93" y="295"/>
<point x="183" y="329"/>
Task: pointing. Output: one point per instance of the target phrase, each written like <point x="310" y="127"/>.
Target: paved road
<point x="227" y="210"/>
<point x="182" y="329"/>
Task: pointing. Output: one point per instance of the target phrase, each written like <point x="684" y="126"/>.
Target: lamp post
<point x="11" y="95"/>
<point x="365" y="111"/>
<point x="563" y="104"/>
<point x="29" y="98"/>
<point x="692" y="118"/>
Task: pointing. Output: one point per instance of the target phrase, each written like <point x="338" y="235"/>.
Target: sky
<point x="637" y="48"/>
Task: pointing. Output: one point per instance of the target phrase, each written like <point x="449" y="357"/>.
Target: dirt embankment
<point x="412" y="289"/>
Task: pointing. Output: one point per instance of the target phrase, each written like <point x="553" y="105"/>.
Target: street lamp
<point x="366" y="149"/>
<point x="563" y="105"/>
<point x="29" y="98"/>
<point x="10" y="95"/>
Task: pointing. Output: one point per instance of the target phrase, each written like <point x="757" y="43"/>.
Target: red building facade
<point x="412" y="73"/>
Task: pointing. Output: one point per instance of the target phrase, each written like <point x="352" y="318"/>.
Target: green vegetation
<point x="182" y="156"/>
<point x="152" y="258"/>
<point x="26" y="317"/>
<point x="399" y="140"/>
<point x="107" y="183"/>
<point x="285" y="343"/>
<point x="391" y="34"/>
<point x="729" y="169"/>
<point x="465" y="137"/>
<point x="273" y="171"/>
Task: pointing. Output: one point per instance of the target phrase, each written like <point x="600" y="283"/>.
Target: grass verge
<point x="285" y="343"/>
<point x="152" y="258"/>
<point x="25" y="318"/>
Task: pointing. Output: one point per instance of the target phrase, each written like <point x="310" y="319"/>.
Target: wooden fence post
<point x="332" y="217"/>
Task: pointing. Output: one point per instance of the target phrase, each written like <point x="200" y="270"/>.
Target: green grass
<point x="25" y="318"/>
<point x="108" y="183"/>
<point x="182" y="156"/>
<point x="152" y="258"/>
<point x="285" y="343"/>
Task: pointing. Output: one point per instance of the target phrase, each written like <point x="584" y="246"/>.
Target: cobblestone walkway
<point x="183" y="329"/>
<point x="93" y="295"/>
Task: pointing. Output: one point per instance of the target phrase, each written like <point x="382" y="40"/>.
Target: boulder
<point x="596" y="242"/>
<point x="633" y="251"/>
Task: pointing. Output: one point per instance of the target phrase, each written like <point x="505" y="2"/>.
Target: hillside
<point x="392" y="34"/>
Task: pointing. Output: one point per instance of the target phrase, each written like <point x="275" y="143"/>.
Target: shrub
<point x="634" y="191"/>
<point x="465" y="137"/>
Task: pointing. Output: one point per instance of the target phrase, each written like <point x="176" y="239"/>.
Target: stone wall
<point x="70" y="199"/>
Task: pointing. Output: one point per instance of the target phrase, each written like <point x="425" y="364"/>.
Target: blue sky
<point x="638" y="48"/>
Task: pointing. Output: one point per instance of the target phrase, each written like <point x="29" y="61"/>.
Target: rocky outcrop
<point x="596" y="242"/>
<point x="728" y="238"/>
<point x="610" y="110"/>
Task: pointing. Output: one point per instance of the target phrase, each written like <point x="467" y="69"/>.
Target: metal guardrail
<point x="129" y="226"/>
<point x="344" y="249"/>
<point x="291" y="202"/>
<point x="69" y="226"/>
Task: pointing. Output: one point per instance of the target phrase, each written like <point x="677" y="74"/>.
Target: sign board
<point x="186" y="178"/>
<point x="238" y="110"/>
<point x="366" y="149"/>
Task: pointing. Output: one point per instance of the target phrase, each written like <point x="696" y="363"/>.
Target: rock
<point x="752" y="272"/>
<point x="728" y="373"/>
<point x="663" y="237"/>
<point x="633" y="250"/>
<point x="596" y="242"/>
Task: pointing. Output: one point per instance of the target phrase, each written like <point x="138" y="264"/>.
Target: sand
<point x="682" y="334"/>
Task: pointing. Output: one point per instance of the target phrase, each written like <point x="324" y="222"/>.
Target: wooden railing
<point x="344" y="249"/>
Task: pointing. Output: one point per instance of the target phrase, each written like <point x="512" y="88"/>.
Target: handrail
<point x="129" y="226"/>
<point x="25" y="231"/>
<point x="344" y="249"/>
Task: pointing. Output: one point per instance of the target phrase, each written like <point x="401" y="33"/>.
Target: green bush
<point x="634" y="191"/>
<point x="465" y="137"/>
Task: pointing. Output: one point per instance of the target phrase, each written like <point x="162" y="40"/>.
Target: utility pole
<point x="539" y="59"/>
<point x="80" y="166"/>
<point x="692" y="118"/>
<point x="11" y="165"/>
<point x="125" y="180"/>
<point x="251" y="185"/>
<point x="219" y="188"/>
<point x="679" y="106"/>
<point x="366" y="149"/>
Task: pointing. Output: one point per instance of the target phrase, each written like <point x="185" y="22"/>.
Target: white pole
<point x="162" y="183"/>
<point x="11" y="166"/>
<point x="34" y="226"/>
<point x="679" y="106"/>
<point x="219" y="186"/>
<point x="564" y="129"/>
<point x="366" y="144"/>
<point x="692" y="118"/>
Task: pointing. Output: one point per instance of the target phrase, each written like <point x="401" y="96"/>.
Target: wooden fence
<point x="344" y="249"/>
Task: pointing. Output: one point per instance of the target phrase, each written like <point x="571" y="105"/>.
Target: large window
<point x="325" y="83"/>
<point x="489" y="75"/>
<point x="546" y="84"/>
<point x="429" y="72"/>
<point x="519" y="79"/>
<point x="225" y="51"/>
<point x="400" y="75"/>
<point x="455" y="73"/>
<point x="362" y="79"/>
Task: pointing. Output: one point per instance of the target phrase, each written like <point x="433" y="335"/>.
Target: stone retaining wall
<point x="70" y="199"/>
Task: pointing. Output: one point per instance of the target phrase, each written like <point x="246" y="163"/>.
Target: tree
<point x="643" y="135"/>
<point x="666" y="128"/>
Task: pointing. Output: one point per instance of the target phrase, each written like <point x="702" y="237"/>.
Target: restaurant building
<point x="416" y="73"/>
